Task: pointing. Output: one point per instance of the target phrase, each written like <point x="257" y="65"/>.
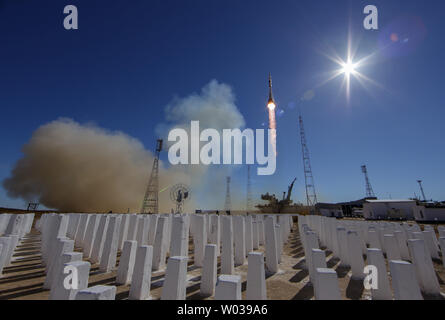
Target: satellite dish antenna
<point x="179" y="194"/>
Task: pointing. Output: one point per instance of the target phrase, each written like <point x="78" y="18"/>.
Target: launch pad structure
<point x="151" y="198"/>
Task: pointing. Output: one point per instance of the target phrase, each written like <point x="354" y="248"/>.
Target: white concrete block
<point x="404" y="281"/>
<point x="90" y="234"/>
<point x="81" y="230"/>
<point x="61" y="261"/>
<point x="179" y="237"/>
<point x="326" y="285"/>
<point x="239" y="239"/>
<point x="431" y="243"/>
<point x="109" y="254"/>
<point x="355" y="255"/>
<point x="311" y="242"/>
<point x="261" y="237"/>
<point x="441" y="230"/>
<point x="255" y="236"/>
<point x="391" y="247"/>
<point x="175" y="279"/>
<point x="160" y="245"/>
<point x="62" y="245"/>
<point x="383" y="291"/>
<point x="215" y="232"/>
<point x="4" y="221"/>
<point x="59" y="291"/>
<point x="132" y="227"/>
<point x="141" y="280"/>
<point x="318" y="260"/>
<point x="123" y="234"/>
<point x="14" y="225"/>
<point x="142" y="231"/>
<point x="374" y="240"/>
<point x="56" y="227"/>
<point x="99" y="239"/>
<point x="228" y="287"/>
<point x="423" y="266"/>
<point x="343" y="246"/>
<point x="249" y="234"/>
<point x="73" y="223"/>
<point x="12" y="245"/>
<point x="199" y="239"/>
<point x="5" y="242"/>
<point x="126" y="263"/>
<point x="209" y="271"/>
<point x="279" y="237"/>
<point x="442" y="248"/>
<point x="152" y="229"/>
<point x="97" y="293"/>
<point x="271" y="246"/>
<point x="227" y="260"/>
<point x="402" y="242"/>
<point x="256" y="277"/>
<point x="419" y="235"/>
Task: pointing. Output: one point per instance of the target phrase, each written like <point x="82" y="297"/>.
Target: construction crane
<point x="311" y="196"/>
<point x="150" y="203"/>
<point x="369" y="191"/>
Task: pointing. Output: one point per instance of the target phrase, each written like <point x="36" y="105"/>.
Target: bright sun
<point x="348" y="68"/>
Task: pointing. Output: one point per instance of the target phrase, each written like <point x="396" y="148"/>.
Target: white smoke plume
<point x="214" y="107"/>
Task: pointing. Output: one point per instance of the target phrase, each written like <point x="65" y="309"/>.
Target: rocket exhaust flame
<point x="273" y="126"/>
<point x="272" y="122"/>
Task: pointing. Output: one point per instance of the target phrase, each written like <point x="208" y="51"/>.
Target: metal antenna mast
<point x="249" y="191"/>
<point x="228" y="204"/>
<point x="369" y="191"/>
<point x="311" y="196"/>
<point x="421" y="189"/>
<point x="150" y="203"/>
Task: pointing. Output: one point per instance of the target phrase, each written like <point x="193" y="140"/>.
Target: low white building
<point x="329" y="210"/>
<point x="429" y="212"/>
<point x="389" y="209"/>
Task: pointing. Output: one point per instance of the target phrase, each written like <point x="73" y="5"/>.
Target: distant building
<point x="354" y="208"/>
<point x="329" y="210"/>
<point x="429" y="212"/>
<point x="389" y="209"/>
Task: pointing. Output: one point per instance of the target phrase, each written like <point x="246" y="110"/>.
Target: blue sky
<point x="129" y="59"/>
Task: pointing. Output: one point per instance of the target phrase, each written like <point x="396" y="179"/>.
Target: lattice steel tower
<point x="311" y="196"/>
<point x="228" y="203"/>
<point x="150" y="203"/>
<point x="249" y="191"/>
<point x="421" y="189"/>
<point x="369" y="191"/>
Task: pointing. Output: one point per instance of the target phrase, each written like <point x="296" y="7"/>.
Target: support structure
<point x="249" y="191"/>
<point x="150" y="203"/>
<point x="311" y="196"/>
<point x="228" y="203"/>
<point x="421" y="189"/>
<point x="369" y="191"/>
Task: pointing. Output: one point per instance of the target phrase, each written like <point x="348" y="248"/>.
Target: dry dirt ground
<point x="24" y="279"/>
